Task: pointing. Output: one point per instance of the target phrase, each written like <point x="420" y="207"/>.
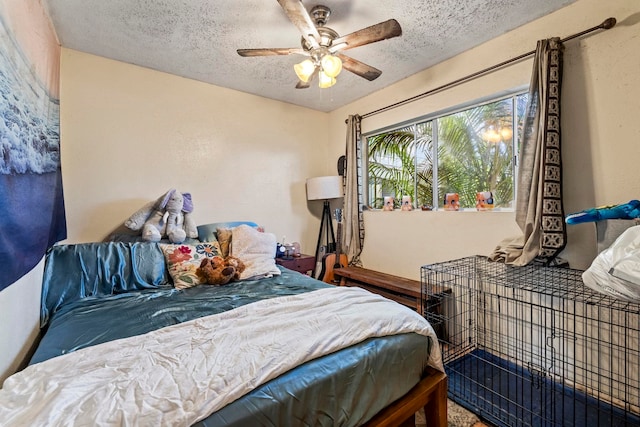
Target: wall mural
<point x="32" y="216"/>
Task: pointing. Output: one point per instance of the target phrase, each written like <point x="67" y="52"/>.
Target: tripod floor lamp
<point x="325" y="188"/>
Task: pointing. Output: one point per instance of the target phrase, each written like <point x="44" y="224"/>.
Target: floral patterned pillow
<point x="183" y="261"/>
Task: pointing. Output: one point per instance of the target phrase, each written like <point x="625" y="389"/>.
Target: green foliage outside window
<point x="474" y="151"/>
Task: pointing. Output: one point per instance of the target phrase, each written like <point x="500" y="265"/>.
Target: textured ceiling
<point x="198" y="39"/>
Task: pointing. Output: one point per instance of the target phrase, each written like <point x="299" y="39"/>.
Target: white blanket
<point x="180" y="374"/>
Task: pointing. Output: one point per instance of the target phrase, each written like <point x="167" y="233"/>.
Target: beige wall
<point x="129" y="134"/>
<point x="600" y="134"/>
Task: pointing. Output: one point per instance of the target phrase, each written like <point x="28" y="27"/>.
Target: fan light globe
<point x="325" y="81"/>
<point x="331" y="65"/>
<point x="506" y="133"/>
<point x="491" y="135"/>
<point x="304" y="70"/>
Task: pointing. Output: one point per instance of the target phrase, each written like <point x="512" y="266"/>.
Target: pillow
<point x="257" y="250"/>
<point x="207" y="232"/>
<point x="224" y="239"/>
<point x="224" y="236"/>
<point x="183" y="261"/>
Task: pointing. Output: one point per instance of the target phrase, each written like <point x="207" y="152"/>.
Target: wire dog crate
<point x="533" y="346"/>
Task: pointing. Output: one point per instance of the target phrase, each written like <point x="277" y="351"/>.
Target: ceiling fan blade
<point x="375" y="33"/>
<point x="299" y="16"/>
<point x="272" y="51"/>
<point x="359" y="68"/>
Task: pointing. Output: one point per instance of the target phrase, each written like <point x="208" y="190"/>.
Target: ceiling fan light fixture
<point x="323" y="45"/>
<point x="506" y="133"/>
<point x="331" y="65"/>
<point x="304" y="70"/>
<point x="491" y="134"/>
<point x="325" y="81"/>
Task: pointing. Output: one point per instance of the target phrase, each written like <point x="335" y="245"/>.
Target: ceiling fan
<point x="322" y="45"/>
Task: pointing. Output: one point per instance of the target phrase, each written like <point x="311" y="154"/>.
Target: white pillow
<point x="257" y="250"/>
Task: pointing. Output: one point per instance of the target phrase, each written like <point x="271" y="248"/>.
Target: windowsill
<point x="467" y="210"/>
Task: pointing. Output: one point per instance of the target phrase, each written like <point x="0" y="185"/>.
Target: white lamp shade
<point x="324" y="187"/>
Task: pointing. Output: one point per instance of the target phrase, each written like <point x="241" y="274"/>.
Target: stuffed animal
<point x="628" y="210"/>
<point x="189" y="224"/>
<point x="155" y="227"/>
<point x="141" y="216"/>
<point x="237" y="264"/>
<point x="175" y="218"/>
<point x="165" y="218"/>
<point x="220" y="271"/>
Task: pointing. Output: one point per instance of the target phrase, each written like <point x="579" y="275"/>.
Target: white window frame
<point x="512" y="94"/>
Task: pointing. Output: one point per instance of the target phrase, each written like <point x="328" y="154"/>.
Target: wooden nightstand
<point x="303" y="264"/>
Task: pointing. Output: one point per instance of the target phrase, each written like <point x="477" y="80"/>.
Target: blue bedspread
<point x="344" y="388"/>
<point x="102" y="318"/>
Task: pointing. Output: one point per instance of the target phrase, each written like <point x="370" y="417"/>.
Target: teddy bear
<point x="169" y="216"/>
<point x="220" y="271"/>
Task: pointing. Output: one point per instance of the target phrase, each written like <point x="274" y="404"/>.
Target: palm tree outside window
<point x="463" y="152"/>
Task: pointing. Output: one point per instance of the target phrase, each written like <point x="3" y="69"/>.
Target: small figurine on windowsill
<point x="388" y="204"/>
<point x="451" y="202"/>
<point x="406" y="204"/>
<point x="484" y="200"/>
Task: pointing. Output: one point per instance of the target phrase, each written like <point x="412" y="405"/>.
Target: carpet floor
<point x="457" y="416"/>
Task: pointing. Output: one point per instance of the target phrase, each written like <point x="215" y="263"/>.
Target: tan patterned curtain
<point x="353" y="227"/>
<point x="539" y="209"/>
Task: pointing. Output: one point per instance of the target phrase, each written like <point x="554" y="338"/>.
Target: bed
<point x="122" y="346"/>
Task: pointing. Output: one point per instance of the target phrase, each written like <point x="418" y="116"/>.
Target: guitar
<point x="334" y="260"/>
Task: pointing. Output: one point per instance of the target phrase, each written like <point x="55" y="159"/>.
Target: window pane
<point x="424" y="164"/>
<point x="521" y="107"/>
<point x="475" y="153"/>
<point x="391" y="165"/>
<point x="521" y="112"/>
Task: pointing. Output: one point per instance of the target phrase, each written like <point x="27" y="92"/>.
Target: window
<point x="464" y="152"/>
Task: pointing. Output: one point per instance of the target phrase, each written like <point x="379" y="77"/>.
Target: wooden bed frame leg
<point x="435" y="411"/>
<point x="430" y="393"/>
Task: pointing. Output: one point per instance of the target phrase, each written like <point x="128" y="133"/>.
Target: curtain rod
<point x="605" y="25"/>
